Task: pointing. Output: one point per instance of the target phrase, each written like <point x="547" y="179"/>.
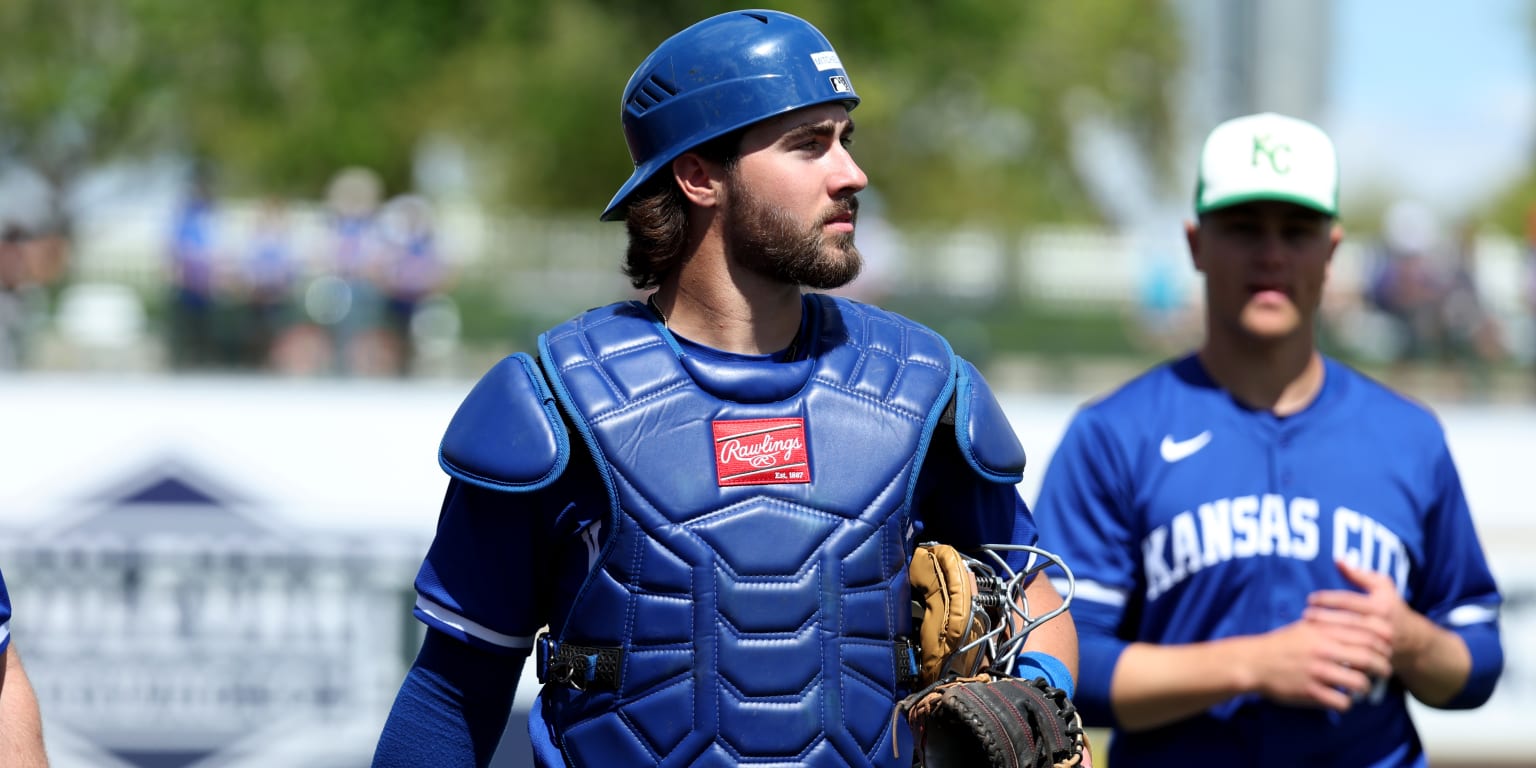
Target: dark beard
<point x="767" y="240"/>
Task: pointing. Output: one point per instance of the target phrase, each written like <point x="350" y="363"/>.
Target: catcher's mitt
<point x="944" y="599"/>
<point x="999" y="722"/>
<point x="972" y="621"/>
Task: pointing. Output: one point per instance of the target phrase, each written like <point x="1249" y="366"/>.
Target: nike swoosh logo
<point x="1178" y="450"/>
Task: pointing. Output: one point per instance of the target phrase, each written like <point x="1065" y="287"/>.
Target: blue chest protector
<point x="750" y="597"/>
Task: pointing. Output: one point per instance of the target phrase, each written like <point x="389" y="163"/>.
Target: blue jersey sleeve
<point x="1455" y="588"/>
<point x="5" y="616"/>
<point x="483" y="576"/>
<point x="1083" y="517"/>
<point x="500" y="559"/>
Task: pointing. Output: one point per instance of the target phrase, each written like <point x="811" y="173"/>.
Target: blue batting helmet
<point x="721" y="74"/>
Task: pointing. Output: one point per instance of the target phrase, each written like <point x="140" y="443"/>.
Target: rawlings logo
<point x="761" y="452"/>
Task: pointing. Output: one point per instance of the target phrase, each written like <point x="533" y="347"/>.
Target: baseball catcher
<point x="979" y="704"/>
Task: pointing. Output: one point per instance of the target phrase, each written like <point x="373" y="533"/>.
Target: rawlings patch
<point x="761" y="452"/>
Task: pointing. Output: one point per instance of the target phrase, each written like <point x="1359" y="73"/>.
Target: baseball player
<point x="21" y="729"/>
<point x="1272" y="551"/>
<point x="711" y="497"/>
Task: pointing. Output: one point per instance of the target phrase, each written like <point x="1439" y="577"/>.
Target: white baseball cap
<point x="1268" y="157"/>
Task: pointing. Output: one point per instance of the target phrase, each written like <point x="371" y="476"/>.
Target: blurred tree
<point x="969" y="105"/>
<point x="1513" y="210"/>
<point x="74" y="89"/>
<point x="280" y="94"/>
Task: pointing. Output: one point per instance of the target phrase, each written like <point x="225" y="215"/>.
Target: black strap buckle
<point x="907" y="667"/>
<point x="579" y="666"/>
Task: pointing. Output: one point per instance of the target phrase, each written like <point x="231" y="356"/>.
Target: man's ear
<point x="699" y="179"/>
<point x="1192" y="238"/>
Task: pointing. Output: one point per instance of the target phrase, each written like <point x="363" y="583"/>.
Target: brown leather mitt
<point x="945" y="590"/>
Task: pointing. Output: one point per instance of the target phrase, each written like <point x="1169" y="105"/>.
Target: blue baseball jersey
<point x="5" y="616"/>
<point x="1186" y="517"/>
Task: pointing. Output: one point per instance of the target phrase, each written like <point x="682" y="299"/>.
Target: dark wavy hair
<point x="657" y="217"/>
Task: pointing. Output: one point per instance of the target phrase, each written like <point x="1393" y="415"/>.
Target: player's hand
<point x="1379" y="608"/>
<point x="1319" y="663"/>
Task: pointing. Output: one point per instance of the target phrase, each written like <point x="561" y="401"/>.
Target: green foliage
<point x="74" y="86"/>
<point x="1514" y="210"/>
<point x="968" y="112"/>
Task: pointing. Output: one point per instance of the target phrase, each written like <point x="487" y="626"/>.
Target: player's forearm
<point x="1433" y="662"/>
<point x="21" y="725"/>
<point x="1154" y="685"/>
<point x="1057" y="637"/>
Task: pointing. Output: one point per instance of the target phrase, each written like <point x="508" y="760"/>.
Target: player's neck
<point x="1283" y="379"/>
<point x="739" y="316"/>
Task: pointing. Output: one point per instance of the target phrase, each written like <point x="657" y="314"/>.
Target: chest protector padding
<point x="756" y="622"/>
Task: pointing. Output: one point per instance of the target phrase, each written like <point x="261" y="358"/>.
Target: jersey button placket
<point x="1282" y="459"/>
<point x="1281" y="608"/>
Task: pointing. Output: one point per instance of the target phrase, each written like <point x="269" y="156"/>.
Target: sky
<point x="1436" y="99"/>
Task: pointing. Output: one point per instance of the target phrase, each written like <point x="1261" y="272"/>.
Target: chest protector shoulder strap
<point x="754" y="578"/>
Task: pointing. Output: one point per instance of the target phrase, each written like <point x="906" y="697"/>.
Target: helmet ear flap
<point x="717" y="77"/>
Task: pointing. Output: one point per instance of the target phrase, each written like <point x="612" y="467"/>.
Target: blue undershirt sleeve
<point x="1487" y="664"/>
<point x="452" y="708"/>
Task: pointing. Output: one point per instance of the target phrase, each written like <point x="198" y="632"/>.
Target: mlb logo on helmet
<point x="1268" y="157"/>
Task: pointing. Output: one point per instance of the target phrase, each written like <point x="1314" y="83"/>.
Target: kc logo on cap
<point x="1268" y="156"/>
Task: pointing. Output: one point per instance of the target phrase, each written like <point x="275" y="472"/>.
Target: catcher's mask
<point x="719" y="75"/>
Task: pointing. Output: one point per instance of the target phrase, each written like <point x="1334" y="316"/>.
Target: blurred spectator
<point x="413" y="271"/>
<point x="347" y="299"/>
<point x="192" y="305"/>
<point x="268" y="277"/>
<point x="33" y="254"/>
<point x="1473" y="339"/>
<point x="19" y="298"/>
<point x="1405" y="282"/>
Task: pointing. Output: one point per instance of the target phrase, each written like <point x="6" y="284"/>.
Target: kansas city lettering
<point x="1265" y="526"/>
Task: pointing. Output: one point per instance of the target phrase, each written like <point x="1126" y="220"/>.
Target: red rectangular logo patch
<point x="761" y="452"/>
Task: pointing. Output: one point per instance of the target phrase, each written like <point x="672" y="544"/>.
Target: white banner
<point x="217" y="571"/>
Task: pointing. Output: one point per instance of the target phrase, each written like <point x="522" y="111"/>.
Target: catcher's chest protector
<point x="754" y="577"/>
